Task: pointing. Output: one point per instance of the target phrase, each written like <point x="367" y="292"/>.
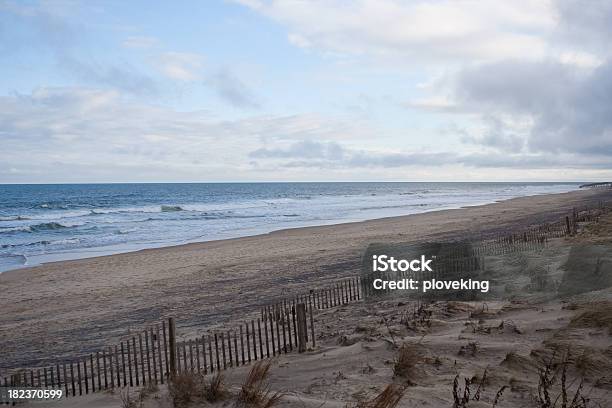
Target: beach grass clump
<point x="407" y="359"/>
<point x="214" y="389"/>
<point x="255" y="390"/>
<point x="388" y="398"/>
<point x="463" y="397"/>
<point x="184" y="388"/>
<point x="595" y="315"/>
<point x="127" y="400"/>
<point x="189" y="387"/>
<point x="553" y="377"/>
<point x="469" y="349"/>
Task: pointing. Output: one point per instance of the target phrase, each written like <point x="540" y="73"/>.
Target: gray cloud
<point x="330" y="155"/>
<point x="571" y="108"/>
<point x="305" y="150"/>
<point x="232" y="90"/>
<point x="586" y="24"/>
<point x="497" y="136"/>
<point x="568" y="105"/>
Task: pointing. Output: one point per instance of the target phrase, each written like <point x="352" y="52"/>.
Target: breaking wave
<point x="171" y="208"/>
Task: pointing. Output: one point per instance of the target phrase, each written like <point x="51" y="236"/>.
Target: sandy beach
<point x="61" y="309"/>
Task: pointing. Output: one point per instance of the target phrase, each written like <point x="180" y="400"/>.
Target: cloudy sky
<point x="273" y="90"/>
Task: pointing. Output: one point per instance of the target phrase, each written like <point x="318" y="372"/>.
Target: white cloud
<point x="442" y="29"/>
<point x="181" y="66"/>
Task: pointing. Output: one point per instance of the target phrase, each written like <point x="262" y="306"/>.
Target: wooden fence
<point x="154" y="354"/>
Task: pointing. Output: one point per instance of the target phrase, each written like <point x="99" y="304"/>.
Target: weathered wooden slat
<point x="236" y="349"/>
<point x="191" y="355"/>
<point x="178" y="358"/>
<point x="171" y="347"/>
<point x="64" y="371"/>
<point x="210" y="354"/>
<point x="204" y="355"/>
<point x="154" y="363"/>
<point x="248" y="341"/>
<point x="217" y="352"/>
<point x="112" y="367"/>
<point x="288" y="323"/>
<point x="229" y="347"/>
<point x="135" y="362"/>
<point x="123" y="370"/>
<point x="168" y="371"/>
<point x="117" y="368"/>
<point x="197" y="353"/>
<point x="278" y="337"/>
<point x="148" y="357"/>
<point x="78" y="377"/>
<point x="301" y="318"/>
<point x="129" y="358"/>
<point x="99" y="371"/>
<point x="142" y="359"/>
<point x="184" y="356"/>
<point x="261" y="353"/>
<point x="159" y="354"/>
<point x="93" y="376"/>
<point x="254" y="340"/>
<point x="223" y="350"/>
<point x="265" y="320"/>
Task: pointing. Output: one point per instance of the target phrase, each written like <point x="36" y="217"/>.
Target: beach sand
<point x="62" y="309"/>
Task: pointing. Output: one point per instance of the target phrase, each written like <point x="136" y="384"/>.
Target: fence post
<point x="301" y="326"/>
<point x="172" y="343"/>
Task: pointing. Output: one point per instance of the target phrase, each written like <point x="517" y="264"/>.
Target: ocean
<point x="43" y="223"/>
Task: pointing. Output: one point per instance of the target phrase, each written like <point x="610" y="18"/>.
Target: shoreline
<point x="126" y="248"/>
<point x="58" y="309"/>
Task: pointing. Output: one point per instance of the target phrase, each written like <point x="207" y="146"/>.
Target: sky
<point x="290" y="90"/>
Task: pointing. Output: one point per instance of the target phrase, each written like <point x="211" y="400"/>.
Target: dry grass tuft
<point x="184" y="388"/>
<point x="549" y="377"/>
<point x="596" y="315"/>
<point x="469" y="349"/>
<point x="146" y="391"/>
<point x="127" y="401"/>
<point x="388" y="398"/>
<point x="190" y="387"/>
<point x="407" y="359"/>
<point x="214" y="389"/>
<point x="255" y="390"/>
<point x="462" y="397"/>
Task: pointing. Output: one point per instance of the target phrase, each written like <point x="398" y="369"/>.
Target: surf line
<point x="431" y="284"/>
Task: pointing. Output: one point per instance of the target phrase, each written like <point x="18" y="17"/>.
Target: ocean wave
<point x="52" y="206"/>
<point x="45" y="226"/>
<point x="49" y="226"/>
<point x="17" y="218"/>
<point x="126" y="231"/>
<point x="25" y="244"/>
<point x="65" y="241"/>
<point x="171" y="208"/>
<point x="9" y="230"/>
